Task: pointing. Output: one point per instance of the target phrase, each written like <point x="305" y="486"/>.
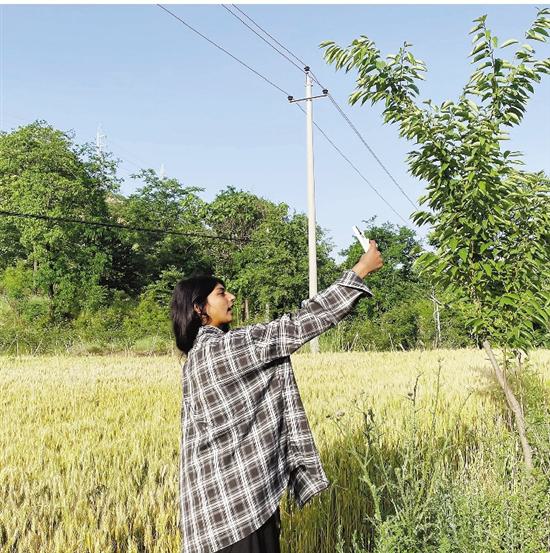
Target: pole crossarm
<point x="324" y="95"/>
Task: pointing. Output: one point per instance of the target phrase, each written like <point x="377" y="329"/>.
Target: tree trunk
<point x="437" y="341"/>
<point x="514" y="406"/>
<point x="246" y="310"/>
<point x="34" y="269"/>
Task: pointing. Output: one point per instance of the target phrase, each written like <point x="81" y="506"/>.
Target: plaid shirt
<point x="245" y="436"/>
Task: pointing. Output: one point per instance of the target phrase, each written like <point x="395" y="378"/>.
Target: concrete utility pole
<point x="312" y="241"/>
<point x="311" y="236"/>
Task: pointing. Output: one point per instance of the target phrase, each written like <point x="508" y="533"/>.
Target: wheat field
<point x="89" y="445"/>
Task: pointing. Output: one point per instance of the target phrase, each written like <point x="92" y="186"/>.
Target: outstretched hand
<point x="369" y="262"/>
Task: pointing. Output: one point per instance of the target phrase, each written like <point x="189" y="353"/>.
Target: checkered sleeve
<point x="256" y="345"/>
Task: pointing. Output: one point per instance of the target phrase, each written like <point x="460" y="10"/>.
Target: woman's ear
<point x="202" y="314"/>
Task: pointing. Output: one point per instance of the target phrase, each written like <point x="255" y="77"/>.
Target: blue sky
<point x="165" y="96"/>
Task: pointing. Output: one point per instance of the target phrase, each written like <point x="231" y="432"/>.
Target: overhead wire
<point x="118" y="225"/>
<point x="331" y="98"/>
<point x="300" y="68"/>
<point x="142" y="229"/>
<point x="131" y="160"/>
<point x="303" y="64"/>
<point x="277" y="87"/>
<point x="225" y="51"/>
<point x="83" y="222"/>
<point x="356" y="169"/>
<point x="334" y="102"/>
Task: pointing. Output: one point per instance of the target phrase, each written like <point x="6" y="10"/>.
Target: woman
<point x="245" y="436"/>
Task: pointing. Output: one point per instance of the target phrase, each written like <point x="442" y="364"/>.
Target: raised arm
<point x="285" y="335"/>
<point x="254" y="346"/>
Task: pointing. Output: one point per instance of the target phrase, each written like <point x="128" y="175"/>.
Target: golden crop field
<point x="89" y="445"/>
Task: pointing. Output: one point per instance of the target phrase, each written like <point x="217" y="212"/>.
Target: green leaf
<point x="474" y="29"/>
<point x="504" y="300"/>
<point x="476" y="324"/>
<point x="509" y="42"/>
<point x="483" y="65"/>
<point x="472" y="105"/>
<point x="478" y="48"/>
<point x="483" y="247"/>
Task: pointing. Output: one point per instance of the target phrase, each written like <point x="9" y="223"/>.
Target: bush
<point x="152" y="345"/>
<point x="430" y="492"/>
<point x="147" y="319"/>
<point x="86" y="348"/>
<point x="16" y="283"/>
<point x="18" y="336"/>
<point x="104" y="325"/>
<point x="35" y="310"/>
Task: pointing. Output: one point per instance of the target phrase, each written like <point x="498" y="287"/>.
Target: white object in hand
<point x="364" y="241"/>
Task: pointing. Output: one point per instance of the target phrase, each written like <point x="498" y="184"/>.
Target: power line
<point x="355" y="168"/>
<point x="132" y="160"/>
<point x="225" y="51"/>
<point x="365" y="143"/>
<point x="260" y="36"/>
<point x="260" y="75"/>
<point x="117" y="225"/>
<point x="340" y="110"/>
<point x="316" y="125"/>
<point x="254" y="71"/>
<point x="370" y="150"/>
<point x="303" y="64"/>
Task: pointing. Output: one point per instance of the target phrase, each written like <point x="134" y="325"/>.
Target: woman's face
<point x="218" y="306"/>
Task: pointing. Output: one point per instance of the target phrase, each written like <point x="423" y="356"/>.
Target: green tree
<point x="164" y="204"/>
<point x="42" y="172"/>
<point x="236" y="215"/>
<point x="402" y="312"/>
<point x="490" y="219"/>
<point x="272" y="268"/>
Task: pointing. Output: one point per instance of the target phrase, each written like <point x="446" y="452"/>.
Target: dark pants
<point x="264" y="540"/>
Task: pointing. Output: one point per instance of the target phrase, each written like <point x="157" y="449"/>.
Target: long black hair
<point x="185" y="320"/>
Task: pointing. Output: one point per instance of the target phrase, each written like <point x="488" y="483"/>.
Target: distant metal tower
<point x="162" y="173"/>
<point x="100" y="141"/>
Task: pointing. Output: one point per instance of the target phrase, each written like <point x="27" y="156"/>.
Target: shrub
<point x="147" y="319"/>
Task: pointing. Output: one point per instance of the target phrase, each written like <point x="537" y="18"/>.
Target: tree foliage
<point x="163" y="204"/>
<point x="106" y="280"/>
<point x="273" y="267"/>
<point x="490" y="219"/>
<point x="42" y="172"/>
<point x="261" y="253"/>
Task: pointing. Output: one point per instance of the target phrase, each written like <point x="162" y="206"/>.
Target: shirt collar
<point x="209" y="329"/>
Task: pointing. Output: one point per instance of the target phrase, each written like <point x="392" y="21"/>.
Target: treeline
<point x="66" y="286"/>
